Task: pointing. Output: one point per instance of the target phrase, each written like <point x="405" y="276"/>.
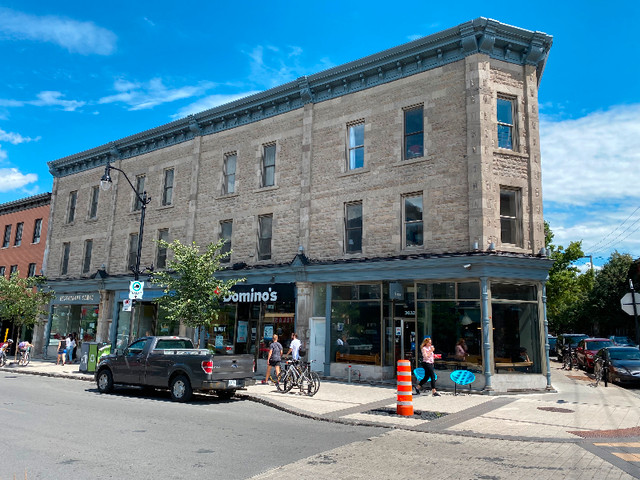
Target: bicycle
<point x="3" y="358"/>
<point x="277" y="380"/>
<point x="600" y="370"/>
<point x="299" y="374"/>
<point x="569" y="359"/>
<point x="25" y="357"/>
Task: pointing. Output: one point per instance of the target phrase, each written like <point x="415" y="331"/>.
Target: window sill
<point x="356" y="171"/>
<point x="413" y="161"/>
<point x="227" y="195"/>
<point x="91" y="220"/>
<point x="266" y="189"/>
<point x="513" y="153"/>
<point x="165" y="207"/>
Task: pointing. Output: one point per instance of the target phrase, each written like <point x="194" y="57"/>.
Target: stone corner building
<point x="367" y="206"/>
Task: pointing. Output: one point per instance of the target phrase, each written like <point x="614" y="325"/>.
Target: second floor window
<point x="137" y="204"/>
<point x="133" y="251"/>
<point x="13" y="269"/>
<point x="18" y="241"/>
<point x="161" y="255"/>
<point x="93" y="206"/>
<point x="353" y="227"/>
<point x="64" y="267"/>
<point x="506" y="115"/>
<point x="413" y="133"/>
<point x="413" y="224"/>
<point x="510" y="216"/>
<point x="269" y="165"/>
<point x="167" y="191"/>
<point x="264" y="236"/>
<point x="229" y="174"/>
<point x="37" y="230"/>
<point x="71" y="214"/>
<point x="356" y="146"/>
<point x="32" y="270"/>
<point x="86" y="262"/>
<point x="226" y="229"/>
<point x="7" y="236"/>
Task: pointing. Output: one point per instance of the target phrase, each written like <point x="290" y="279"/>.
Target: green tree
<point x="611" y="284"/>
<point x="23" y="300"/>
<point x="192" y="293"/>
<point x="567" y="290"/>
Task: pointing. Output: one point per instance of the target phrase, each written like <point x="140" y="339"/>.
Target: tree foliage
<point x="22" y="300"/>
<point x="567" y="290"/>
<point x="192" y="293"/>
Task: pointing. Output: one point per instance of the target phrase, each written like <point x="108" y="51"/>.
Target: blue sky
<point x="77" y="75"/>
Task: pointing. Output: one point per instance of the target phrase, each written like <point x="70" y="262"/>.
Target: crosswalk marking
<point x="619" y="444"/>
<point x="628" y="457"/>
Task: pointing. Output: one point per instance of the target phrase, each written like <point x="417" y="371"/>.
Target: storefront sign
<point x="77" y="298"/>
<point x="283" y="292"/>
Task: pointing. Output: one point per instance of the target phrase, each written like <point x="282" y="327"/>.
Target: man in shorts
<point x="274" y="358"/>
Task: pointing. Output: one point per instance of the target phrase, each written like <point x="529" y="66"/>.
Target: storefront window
<point x="355" y="323"/>
<point x="221" y="338"/>
<point x="319" y="300"/>
<point x="516" y="329"/>
<point x="144" y="323"/>
<point x="450" y="312"/>
<point x="81" y="319"/>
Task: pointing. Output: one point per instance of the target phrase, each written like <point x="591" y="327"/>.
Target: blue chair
<point x="461" y="377"/>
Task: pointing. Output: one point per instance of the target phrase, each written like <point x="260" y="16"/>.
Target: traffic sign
<point x="627" y="303"/>
<point x="136" y="289"/>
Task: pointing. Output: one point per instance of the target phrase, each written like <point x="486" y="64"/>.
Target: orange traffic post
<point x="405" y="389"/>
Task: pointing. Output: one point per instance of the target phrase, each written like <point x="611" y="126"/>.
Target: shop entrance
<point x="405" y="339"/>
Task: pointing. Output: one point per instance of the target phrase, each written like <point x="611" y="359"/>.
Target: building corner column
<point x="304" y="311"/>
<point x="486" y="333"/>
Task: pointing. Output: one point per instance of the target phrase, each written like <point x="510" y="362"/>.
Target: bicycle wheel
<point x="288" y="381"/>
<point x="3" y="359"/>
<point x="315" y="384"/>
<point x="26" y="359"/>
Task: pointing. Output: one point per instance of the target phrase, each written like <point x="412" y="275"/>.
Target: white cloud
<point x="15" y="138"/>
<point x="141" y="96"/>
<point x="45" y="99"/>
<point x="13" y="179"/>
<point x="77" y="37"/>
<point x="210" y="102"/>
<point x="592" y="158"/>
<point x="272" y="66"/>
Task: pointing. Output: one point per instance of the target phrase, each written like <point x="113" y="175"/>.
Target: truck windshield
<point x="172" y="344"/>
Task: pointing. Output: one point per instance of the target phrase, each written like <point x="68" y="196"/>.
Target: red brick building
<point x="23" y="235"/>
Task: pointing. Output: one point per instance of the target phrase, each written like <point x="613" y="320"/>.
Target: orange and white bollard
<point x="405" y="389"/>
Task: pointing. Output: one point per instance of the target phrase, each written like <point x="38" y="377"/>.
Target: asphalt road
<point x="62" y="429"/>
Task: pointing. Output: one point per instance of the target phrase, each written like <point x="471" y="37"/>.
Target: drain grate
<point x="556" y="409"/>
<point x="418" y="414"/>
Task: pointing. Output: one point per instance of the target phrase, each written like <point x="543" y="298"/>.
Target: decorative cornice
<point x="25" y="203"/>
<point x="482" y="35"/>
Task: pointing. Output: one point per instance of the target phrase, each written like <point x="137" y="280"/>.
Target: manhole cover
<point x="556" y="409"/>
<point x="419" y="414"/>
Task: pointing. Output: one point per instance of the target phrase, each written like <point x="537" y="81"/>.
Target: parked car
<point x="172" y="363"/>
<point x="587" y="349"/>
<point x="567" y="339"/>
<point x="621" y="341"/>
<point x="624" y="364"/>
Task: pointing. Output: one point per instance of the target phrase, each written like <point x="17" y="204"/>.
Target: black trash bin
<point x="89" y="356"/>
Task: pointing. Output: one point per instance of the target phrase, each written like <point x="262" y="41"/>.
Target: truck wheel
<point x="225" y="394"/>
<point x="181" y="389"/>
<point x="105" y="381"/>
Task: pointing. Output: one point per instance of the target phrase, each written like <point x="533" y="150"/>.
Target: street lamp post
<point x="105" y="184"/>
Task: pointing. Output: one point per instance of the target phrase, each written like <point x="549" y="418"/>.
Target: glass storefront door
<point x="405" y="340"/>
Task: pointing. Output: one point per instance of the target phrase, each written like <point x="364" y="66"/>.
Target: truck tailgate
<point x="232" y="366"/>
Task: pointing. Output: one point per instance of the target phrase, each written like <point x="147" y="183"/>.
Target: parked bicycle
<point x="601" y="370"/>
<point x="569" y="359"/>
<point x="299" y="374"/>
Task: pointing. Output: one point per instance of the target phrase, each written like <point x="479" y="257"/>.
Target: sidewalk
<point x="576" y="411"/>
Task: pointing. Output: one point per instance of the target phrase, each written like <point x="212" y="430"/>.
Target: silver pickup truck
<point x="172" y="363"/>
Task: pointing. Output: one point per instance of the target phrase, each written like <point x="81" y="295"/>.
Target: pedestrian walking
<point x="428" y="357"/>
<point x="62" y="352"/>
<point x="294" y="347"/>
<point x="274" y="358"/>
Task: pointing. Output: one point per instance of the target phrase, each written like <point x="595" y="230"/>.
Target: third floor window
<point x="269" y="165"/>
<point x="506" y="127"/>
<point x="37" y="230"/>
<point x="413" y="133"/>
<point x="229" y="174"/>
<point x="93" y="206"/>
<point x="7" y="236"/>
<point x="71" y="212"/>
<point x="356" y="146"/>
<point x="18" y="241"/>
<point x="137" y="204"/>
<point x="167" y="191"/>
